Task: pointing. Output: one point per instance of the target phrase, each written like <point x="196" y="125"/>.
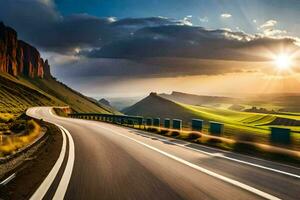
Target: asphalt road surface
<point x="104" y="161"/>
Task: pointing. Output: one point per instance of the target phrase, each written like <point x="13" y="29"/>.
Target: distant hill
<point x="121" y="103"/>
<point x="104" y="101"/>
<point x="193" y="99"/>
<point x="157" y="106"/>
<point x="25" y="80"/>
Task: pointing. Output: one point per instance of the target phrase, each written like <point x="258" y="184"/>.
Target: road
<point x="104" y="161"/>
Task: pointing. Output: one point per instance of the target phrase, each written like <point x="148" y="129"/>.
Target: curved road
<point x="105" y="161"/>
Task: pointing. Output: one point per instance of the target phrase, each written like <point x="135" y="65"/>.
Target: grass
<point x="5" y="117"/>
<point x="239" y="123"/>
<point x="11" y="143"/>
<point x="19" y="93"/>
<point x="236" y="123"/>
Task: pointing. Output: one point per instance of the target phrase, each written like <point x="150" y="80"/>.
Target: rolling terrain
<point x="237" y="123"/>
<point x="260" y="103"/>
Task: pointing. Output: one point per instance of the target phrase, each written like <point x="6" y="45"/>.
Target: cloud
<point x="226" y="15"/>
<point x="203" y="19"/>
<point x="268" y="24"/>
<point x="268" y="29"/>
<point x="38" y="22"/>
<point x="188" y="20"/>
<point x="128" y="47"/>
<point x="147" y="67"/>
<point x="190" y="42"/>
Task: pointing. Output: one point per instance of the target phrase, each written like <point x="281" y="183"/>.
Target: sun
<point x="283" y="61"/>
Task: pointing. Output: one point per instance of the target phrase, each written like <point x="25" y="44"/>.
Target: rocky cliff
<point x="19" y="58"/>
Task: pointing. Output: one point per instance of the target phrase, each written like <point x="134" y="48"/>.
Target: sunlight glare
<point x="283" y="61"/>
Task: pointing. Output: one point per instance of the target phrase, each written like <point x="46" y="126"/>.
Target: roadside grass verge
<point x="11" y="143"/>
<point x="6" y="117"/>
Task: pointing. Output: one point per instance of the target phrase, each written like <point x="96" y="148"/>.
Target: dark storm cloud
<point x="38" y="22"/>
<point x="146" y="22"/>
<point x="132" y="41"/>
<point x="149" y="67"/>
<point x="189" y="42"/>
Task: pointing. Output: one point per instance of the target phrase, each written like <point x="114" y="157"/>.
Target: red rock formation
<point x="8" y="50"/>
<point x="19" y="58"/>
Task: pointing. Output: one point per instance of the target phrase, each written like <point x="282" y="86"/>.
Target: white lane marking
<point x="8" y="179"/>
<point x="44" y="187"/>
<point x="244" y="162"/>
<point x="64" y="182"/>
<point x="201" y="169"/>
<point x="220" y="155"/>
<point x="226" y="157"/>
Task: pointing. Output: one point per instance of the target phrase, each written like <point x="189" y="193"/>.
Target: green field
<point x="238" y="124"/>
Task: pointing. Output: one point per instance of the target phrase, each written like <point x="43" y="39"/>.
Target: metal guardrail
<point x="277" y="135"/>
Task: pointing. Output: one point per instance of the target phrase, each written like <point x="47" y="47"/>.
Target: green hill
<point x="19" y="93"/>
<point x="236" y="123"/>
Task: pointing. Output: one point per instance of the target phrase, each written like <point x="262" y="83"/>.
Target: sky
<point x="121" y="48"/>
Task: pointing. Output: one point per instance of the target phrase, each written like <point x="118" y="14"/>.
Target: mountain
<point x="157" y="106"/>
<point x="193" y="99"/>
<point x="26" y="81"/>
<point x="104" y="101"/>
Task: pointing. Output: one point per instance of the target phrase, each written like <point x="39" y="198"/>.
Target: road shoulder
<point x="36" y="164"/>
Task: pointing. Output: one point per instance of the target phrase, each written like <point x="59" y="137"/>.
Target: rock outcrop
<point x="20" y="58"/>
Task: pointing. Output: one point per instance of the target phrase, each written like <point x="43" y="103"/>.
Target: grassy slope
<point x="287" y="102"/>
<point x="236" y="122"/>
<point x="17" y="94"/>
<point x="156" y="106"/>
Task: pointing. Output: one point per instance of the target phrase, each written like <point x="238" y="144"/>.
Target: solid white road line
<point x="243" y="162"/>
<point x="225" y="157"/>
<point x="64" y="182"/>
<point x="43" y="188"/>
<point x="11" y="177"/>
<point x="219" y="155"/>
<point x="201" y="169"/>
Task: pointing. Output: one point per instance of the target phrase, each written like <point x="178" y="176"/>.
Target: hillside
<point x="197" y="99"/>
<point x="19" y="93"/>
<point x="265" y="103"/>
<point x="156" y="106"/>
<point x="237" y="123"/>
<point x="25" y="80"/>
